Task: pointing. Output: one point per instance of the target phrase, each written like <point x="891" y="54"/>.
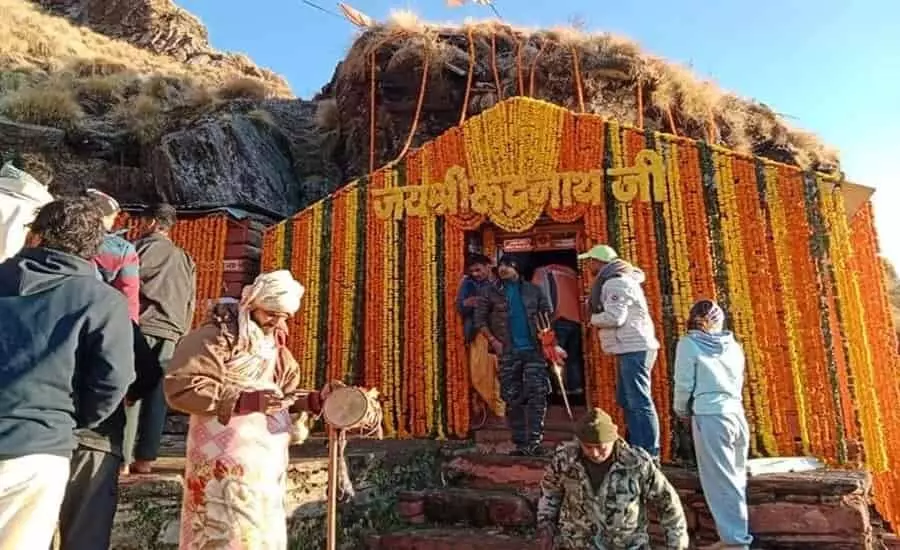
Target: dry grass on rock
<point x="243" y="88"/>
<point x="540" y="63"/>
<point x="46" y="106"/>
<point x="55" y="73"/>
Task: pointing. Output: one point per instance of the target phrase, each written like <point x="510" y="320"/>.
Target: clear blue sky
<point x="832" y="66"/>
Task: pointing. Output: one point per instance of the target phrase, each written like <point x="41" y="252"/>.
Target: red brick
<point x="449" y="539"/>
<point x="478" y="508"/>
<point x="789" y="518"/>
<point x="496" y="471"/>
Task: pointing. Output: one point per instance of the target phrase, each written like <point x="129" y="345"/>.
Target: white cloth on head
<point x="275" y="292"/>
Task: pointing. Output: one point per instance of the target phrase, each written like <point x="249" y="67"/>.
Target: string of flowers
<point x="205" y="241"/>
<point x="803" y="271"/>
<point x="883" y="338"/>
<point x="818" y="244"/>
<point x="647" y="259"/>
<point x="741" y="306"/>
<point x="800" y="286"/>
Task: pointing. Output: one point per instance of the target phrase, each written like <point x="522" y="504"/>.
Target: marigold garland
<point x="205" y="241"/>
<point x="801" y="286"/>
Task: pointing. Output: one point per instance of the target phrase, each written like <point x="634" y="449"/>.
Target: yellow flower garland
<point x="861" y="360"/>
<point x="741" y="308"/>
<point x="780" y="235"/>
<point x="677" y="250"/>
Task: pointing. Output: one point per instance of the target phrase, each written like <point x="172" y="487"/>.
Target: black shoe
<point x="520" y="451"/>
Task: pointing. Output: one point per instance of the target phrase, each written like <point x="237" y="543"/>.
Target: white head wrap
<point x="276" y="292"/>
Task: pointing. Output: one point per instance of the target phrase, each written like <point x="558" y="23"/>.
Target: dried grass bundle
<point x="541" y="63"/>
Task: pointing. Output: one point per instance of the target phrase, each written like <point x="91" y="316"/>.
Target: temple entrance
<point x="548" y="256"/>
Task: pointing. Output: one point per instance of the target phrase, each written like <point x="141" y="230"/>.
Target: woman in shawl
<point x="239" y="384"/>
<point x="709" y="380"/>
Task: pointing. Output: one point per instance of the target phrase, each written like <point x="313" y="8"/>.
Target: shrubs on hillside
<point x="243" y="88"/>
<point x="46" y="106"/>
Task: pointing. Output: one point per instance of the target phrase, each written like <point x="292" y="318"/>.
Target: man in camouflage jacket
<point x="596" y="490"/>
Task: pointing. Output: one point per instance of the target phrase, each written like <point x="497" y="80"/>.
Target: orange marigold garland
<point x="205" y="241"/>
<point x="883" y="340"/>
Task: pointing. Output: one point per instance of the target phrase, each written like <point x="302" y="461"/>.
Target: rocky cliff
<point x="129" y="96"/>
<point x="137" y="103"/>
<point x="162" y="28"/>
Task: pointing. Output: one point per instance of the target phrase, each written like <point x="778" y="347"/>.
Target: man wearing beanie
<point x="596" y="489"/>
<point x="507" y="317"/>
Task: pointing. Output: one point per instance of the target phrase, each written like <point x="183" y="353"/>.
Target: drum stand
<point x="345" y="409"/>
<point x="336" y="440"/>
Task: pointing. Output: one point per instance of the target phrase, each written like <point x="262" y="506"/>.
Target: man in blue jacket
<point x="66" y="361"/>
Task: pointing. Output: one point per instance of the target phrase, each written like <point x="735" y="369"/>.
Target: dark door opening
<point x="556" y="272"/>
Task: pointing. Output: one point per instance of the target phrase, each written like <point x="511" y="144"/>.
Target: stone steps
<point x="450" y="539"/>
<point x="826" y="510"/>
<point x="474" y="507"/>
<point x="495" y="472"/>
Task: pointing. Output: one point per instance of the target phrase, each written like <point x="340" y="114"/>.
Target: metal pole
<point x="333" y="474"/>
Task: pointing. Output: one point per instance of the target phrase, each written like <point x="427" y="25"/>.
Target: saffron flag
<point x="355" y="16"/>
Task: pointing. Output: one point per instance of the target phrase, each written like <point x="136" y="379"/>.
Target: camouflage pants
<point x="524" y="385"/>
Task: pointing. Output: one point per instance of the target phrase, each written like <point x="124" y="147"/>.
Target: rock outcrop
<point x="147" y="111"/>
<point x="162" y="28"/>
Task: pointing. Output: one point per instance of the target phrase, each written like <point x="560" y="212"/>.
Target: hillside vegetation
<point x="57" y="74"/>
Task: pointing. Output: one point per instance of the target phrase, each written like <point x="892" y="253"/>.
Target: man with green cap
<point x="618" y="308"/>
<point x="596" y="490"/>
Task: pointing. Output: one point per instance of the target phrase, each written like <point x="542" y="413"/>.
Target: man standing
<point x="239" y="386"/>
<point x="595" y="492"/>
<point x="619" y="310"/>
<point x="560" y="285"/>
<point x="117" y="258"/>
<point x="168" y="289"/>
<point x="478" y="275"/>
<point x="67" y="355"/>
<point x="506" y="316"/>
<point x="89" y="507"/>
<point x="482" y="363"/>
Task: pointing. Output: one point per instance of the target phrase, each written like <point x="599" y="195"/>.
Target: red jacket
<point x="119" y="265"/>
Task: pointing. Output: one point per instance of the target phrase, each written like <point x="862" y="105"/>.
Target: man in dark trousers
<point x="89" y="508"/>
<point x="507" y="317"/>
<point x="66" y="344"/>
<point x="168" y="293"/>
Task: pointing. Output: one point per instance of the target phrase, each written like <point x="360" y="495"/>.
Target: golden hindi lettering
<point x="520" y="194"/>
<point x="646" y="179"/>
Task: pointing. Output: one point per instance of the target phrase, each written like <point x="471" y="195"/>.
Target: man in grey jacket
<point x="168" y="294"/>
<point x="618" y="308"/>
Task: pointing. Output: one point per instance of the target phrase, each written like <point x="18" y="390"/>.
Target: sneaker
<point x="520" y="451"/>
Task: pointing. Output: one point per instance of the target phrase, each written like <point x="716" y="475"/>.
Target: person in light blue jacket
<point x="709" y="378"/>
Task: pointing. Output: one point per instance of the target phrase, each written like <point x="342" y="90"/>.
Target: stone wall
<point x="149" y="506"/>
<point x="423" y="495"/>
<point x="825" y="510"/>
<point x="828" y="510"/>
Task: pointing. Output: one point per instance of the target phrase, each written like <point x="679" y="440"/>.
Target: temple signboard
<point x="514" y="194"/>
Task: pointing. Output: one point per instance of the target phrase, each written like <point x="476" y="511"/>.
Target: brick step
<point x="555" y="419"/>
<point x="475" y="507"/>
<point x="552" y="438"/>
<point x="496" y="472"/>
<point x="450" y="539"/>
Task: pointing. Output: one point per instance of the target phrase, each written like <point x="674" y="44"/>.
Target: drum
<point x="349" y="407"/>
